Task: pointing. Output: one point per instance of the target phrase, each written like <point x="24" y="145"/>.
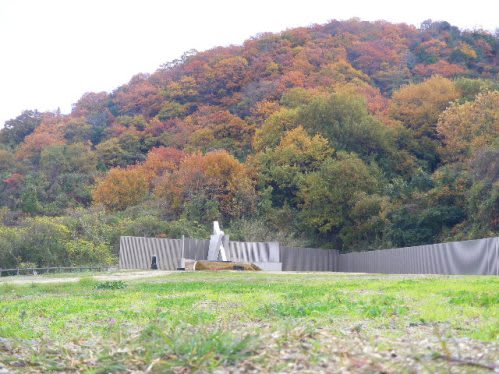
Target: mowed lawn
<point x="253" y="322"/>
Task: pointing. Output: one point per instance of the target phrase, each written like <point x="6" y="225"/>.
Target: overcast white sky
<point x="53" y="51"/>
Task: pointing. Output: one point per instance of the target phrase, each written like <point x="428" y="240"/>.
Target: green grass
<point x="253" y="321"/>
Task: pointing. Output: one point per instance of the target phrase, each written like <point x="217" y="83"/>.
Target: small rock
<point x="18" y="364"/>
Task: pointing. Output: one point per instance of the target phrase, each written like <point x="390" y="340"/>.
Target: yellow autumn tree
<point x="467" y="127"/>
<point x="418" y="106"/>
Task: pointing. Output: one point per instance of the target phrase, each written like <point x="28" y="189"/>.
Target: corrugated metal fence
<point x="253" y="251"/>
<point x="137" y="252"/>
<point x="467" y="257"/>
<point x="309" y="259"/>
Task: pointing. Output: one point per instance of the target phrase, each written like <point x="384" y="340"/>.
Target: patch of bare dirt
<point x="125" y="275"/>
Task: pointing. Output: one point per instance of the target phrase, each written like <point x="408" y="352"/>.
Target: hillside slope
<point x="351" y="135"/>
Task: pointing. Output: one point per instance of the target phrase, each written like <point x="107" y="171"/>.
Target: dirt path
<point x="125" y="275"/>
<point x="140" y="274"/>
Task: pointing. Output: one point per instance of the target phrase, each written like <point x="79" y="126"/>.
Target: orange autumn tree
<point x="140" y="96"/>
<point x="124" y="187"/>
<point x="121" y="188"/>
<point x="207" y="187"/>
<point x="442" y="68"/>
<point x="45" y="135"/>
<point x="161" y="160"/>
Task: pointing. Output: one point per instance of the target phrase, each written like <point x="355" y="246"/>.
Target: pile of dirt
<point x="225" y="265"/>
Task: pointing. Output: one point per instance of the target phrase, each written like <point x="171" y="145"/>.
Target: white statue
<point x="217" y="248"/>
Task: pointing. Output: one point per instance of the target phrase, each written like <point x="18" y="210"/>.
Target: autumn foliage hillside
<point x="351" y="135"/>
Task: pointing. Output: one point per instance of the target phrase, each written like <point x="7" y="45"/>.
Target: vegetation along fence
<point x="467" y="257"/>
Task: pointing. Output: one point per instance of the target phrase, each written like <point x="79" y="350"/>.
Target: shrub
<point x="44" y="242"/>
<point x="83" y="252"/>
<point x="111" y="285"/>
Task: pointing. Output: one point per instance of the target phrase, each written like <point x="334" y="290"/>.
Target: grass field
<point x="254" y="322"/>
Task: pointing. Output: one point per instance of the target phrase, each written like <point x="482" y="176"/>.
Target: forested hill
<point x="351" y="135"/>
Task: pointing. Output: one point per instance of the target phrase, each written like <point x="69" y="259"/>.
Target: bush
<point x="110" y="285"/>
<point x="148" y="226"/>
<point x="83" y="252"/>
<point x="9" y="239"/>
<point x="259" y="230"/>
<point x="190" y="229"/>
<point x="44" y="242"/>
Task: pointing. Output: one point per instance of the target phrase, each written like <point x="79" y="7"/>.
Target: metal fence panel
<point x="479" y="257"/>
<point x="253" y="251"/>
<point x="137" y="252"/>
<point x="196" y="249"/>
<point x="308" y="259"/>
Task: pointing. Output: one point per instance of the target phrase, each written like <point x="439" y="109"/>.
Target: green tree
<point x="15" y="130"/>
<point x="78" y="131"/>
<point x="430" y="216"/>
<point x="330" y="194"/>
<point x="122" y="151"/>
<point x="69" y="171"/>
<point x="469" y="88"/>
<point x="482" y="200"/>
<point x="83" y="252"/>
<point x="30" y="202"/>
<point x="283" y="167"/>
<point x="344" y="121"/>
